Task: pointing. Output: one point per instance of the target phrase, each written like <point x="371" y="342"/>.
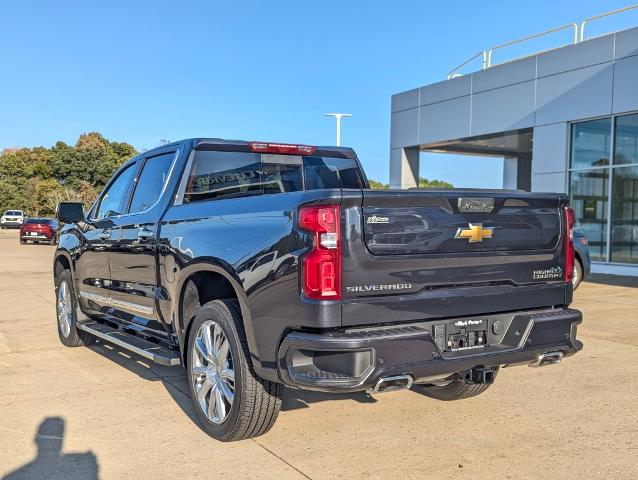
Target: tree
<point x="85" y="193"/>
<point x="36" y="179"/>
<point x="93" y="159"/>
<point x="16" y="164"/>
<point x="425" y="183"/>
<point x="377" y="185"/>
<point x="41" y="162"/>
<point x="48" y="194"/>
<point x="11" y="196"/>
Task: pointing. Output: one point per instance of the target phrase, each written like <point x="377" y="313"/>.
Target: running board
<point x="144" y="348"/>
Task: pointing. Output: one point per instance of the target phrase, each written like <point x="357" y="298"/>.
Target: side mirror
<point x="70" y="212"/>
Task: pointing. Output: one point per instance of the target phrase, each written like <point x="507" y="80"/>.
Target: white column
<point x="510" y="173"/>
<point x="550" y="172"/>
<point x="404" y="167"/>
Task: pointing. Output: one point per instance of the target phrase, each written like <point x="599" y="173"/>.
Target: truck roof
<point x="241" y="145"/>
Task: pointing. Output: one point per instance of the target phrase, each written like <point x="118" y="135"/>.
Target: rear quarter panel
<point x="254" y="240"/>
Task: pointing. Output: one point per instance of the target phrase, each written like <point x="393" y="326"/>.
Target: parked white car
<point x="12" y="219"/>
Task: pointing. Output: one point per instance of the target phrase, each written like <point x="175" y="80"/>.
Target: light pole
<point x="338" y="116"/>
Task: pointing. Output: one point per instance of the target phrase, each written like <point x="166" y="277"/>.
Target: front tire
<point x="66" y="304"/>
<point x="230" y="400"/>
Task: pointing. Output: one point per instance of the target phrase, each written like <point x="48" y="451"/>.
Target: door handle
<point x="144" y="234"/>
<point x="105" y="235"/>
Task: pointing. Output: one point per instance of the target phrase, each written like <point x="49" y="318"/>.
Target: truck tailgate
<point x="442" y="253"/>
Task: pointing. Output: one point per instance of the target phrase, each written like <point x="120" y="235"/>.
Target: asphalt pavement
<point x="101" y="412"/>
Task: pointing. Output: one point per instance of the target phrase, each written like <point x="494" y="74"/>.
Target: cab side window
<point x="112" y="199"/>
<point x="216" y="175"/>
<point x="151" y="181"/>
<point x="219" y="174"/>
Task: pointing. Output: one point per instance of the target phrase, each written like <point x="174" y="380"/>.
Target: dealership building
<point x="564" y="120"/>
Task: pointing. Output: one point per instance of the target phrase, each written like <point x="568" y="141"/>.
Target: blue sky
<point x="150" y="70"/>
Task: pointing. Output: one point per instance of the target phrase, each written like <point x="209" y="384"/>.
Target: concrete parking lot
<point x="102" y="413"/>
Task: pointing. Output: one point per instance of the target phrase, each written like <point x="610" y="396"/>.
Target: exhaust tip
<point x="389" y="384"/>
<point x="549" y="358"/>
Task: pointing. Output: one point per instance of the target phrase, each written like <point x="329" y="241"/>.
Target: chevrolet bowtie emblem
<point x="476" y="232"/>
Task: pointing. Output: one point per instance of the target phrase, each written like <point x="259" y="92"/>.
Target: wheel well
<point x="199" y="289"/>
<point x="61" y="264"/>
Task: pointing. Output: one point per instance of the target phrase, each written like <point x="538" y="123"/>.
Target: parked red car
<point x="38" y="230"/>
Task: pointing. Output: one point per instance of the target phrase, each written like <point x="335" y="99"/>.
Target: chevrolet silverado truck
<point x="257" y="266"/>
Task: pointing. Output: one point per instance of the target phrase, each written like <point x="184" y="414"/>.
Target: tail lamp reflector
<point x="321" y="267"/>
<point x="569" y="244"/>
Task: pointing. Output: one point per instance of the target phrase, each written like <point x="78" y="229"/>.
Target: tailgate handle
<point x="475" y="205"/>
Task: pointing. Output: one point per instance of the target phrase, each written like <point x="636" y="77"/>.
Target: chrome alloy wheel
<point x="65" y="308"/>
<point x="213" y="373"/>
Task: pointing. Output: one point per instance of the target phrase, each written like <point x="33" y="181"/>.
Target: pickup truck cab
<point x="258" y="265"/>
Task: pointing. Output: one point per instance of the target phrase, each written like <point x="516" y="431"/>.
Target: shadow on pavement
<point x="175" y="381"/>
<point x="50" y="462"/>
<point x="295" y="399"/>
<point x="173" y="378"/>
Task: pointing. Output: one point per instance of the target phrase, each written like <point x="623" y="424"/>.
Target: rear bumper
<point x="355" y="359"/>
<point x="39" y="236"/>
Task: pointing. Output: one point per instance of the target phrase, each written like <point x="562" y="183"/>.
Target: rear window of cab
<point x="216" y="174"/>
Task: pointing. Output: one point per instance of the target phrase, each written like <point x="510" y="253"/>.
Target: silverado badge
<point x="476" y="232"/>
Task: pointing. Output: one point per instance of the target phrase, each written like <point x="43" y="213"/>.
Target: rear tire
<point x="23" y="242"/>
<point x="455" y="390"/>
<point x="578" y="274"/>
<point x="223" y="372"/>
<point x="66" y="304"/>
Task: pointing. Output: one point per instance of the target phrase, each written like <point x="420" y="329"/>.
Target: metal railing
<point x="602" y="15"/>
<point x="455" y="73"/>
<point x="572" y="26"/>
<point x="578" y="36"/>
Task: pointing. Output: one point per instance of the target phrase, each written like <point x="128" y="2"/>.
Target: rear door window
<point x="151" y="182"/>
<point x="113" y="198"/>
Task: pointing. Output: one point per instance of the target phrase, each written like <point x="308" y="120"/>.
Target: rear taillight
<point x="569" y="244"/>
<point x="321" y="267"/>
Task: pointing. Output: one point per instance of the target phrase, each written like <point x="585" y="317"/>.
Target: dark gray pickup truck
<point x="258" y="265"/>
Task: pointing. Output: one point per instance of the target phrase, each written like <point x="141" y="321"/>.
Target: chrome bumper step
<point x="154" y="352"/>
